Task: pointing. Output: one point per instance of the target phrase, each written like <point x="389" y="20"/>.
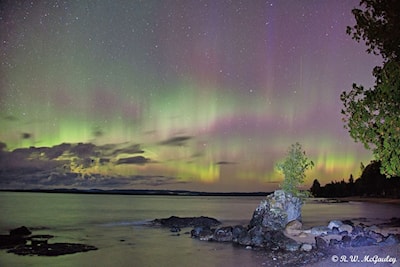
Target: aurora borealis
<point x="198" y="95"/>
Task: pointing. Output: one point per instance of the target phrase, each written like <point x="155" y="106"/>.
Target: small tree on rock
<point x="293" y="168"/>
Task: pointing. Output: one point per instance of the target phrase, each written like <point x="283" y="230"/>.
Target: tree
<point x="372" y="116"/>
<point x="316" y="188"/>
<point x="293" y="168"/>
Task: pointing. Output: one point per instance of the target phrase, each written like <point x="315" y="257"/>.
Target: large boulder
<point x="277" y="210"/>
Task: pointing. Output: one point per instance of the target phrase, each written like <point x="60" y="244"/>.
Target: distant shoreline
<point x="139" y="192"/>
<point x="148" y="192"/>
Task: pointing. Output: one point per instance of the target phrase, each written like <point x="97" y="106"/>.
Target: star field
<point x="199" y="95"/>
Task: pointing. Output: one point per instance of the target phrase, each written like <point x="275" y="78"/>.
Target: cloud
<point x="133" y="160"/>
<point x="176" y="141"/>
<point x="132" y="149"/>
<point x="97" y="132"/>
<point x="83" y="149"/>
<point x="26" y="135"/>
<point x="10" y="118"/>
<point x="72" y="166"/>
<point x="56" y="151"/>
<point x="225" y="162"/>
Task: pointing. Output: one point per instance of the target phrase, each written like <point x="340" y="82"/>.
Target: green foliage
<point x="372" y="116"/>
<point x="293" y="168"/>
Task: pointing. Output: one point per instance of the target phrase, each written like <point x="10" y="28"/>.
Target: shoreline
<point x="377" y="200"/>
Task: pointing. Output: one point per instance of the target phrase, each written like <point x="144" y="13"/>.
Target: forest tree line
<point x="371" y="183"/>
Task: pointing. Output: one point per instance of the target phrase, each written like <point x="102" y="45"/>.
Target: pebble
<point x="334" y="223"/>
<point x="345" y="227"/>
<point x="306" y="247"/>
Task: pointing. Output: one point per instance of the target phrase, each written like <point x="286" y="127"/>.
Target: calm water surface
<point x="116" y="224"/>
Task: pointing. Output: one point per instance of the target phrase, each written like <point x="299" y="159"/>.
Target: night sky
<point x="197" y="95"/>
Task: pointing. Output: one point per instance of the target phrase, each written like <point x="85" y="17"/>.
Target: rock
<point x="223" y="234"/>
<point x="291" y="245"/>
<point x="277" y="239"/>
<point x="277" y="210"/>
<point x="38" y="240"/>
<point x="391" y="239"/>
<point x="320" y="243"/>
<point x="237" y="232"/>
<point x="206" y="235"/>
<point x="16" y="242"/>
<point x="345" y="227"/>
<point x="21" y="231"/>
<point x="334" y="231"/>
<point x="257" y="240"/>
<point x="302" y="235"/>
<point x="334" y="243"/>
<point x="377" y="236"/>
<point x="362" y="241"/>
<point x="10" y="241"/>
<point x="55" y="249"/>
<point x="244" y="240"/>
<point x="293" y="227"/>
<point x="319" y="230"/>
<point x="306" y="247"/>
<point x="202" y="233"/>
<point x="357" y="230"/>
<point x="346" y="241"/>
<point x="196" y="231"/>
<point x="257" y="236"/>
<point x="182" y="222"/>
<point x="175" y="229"/>
<point x="335" y="223"/>
<point x="371" y="228"/>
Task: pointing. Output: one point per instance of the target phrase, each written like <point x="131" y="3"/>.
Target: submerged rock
<point x="20" y="231"/>
<point x="10" y="241"/>
<point x="182" y="222"/>
<point x="21" y="242"/>
<point x="55" y="249"/>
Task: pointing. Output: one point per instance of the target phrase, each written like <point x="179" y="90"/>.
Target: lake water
<point x="116" y="224"/>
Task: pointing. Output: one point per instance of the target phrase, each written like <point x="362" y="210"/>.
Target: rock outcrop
<point x="277" y="210"/>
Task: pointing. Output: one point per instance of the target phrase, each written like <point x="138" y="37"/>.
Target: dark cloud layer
<point x="133" y="160"/>
<point x="67" y="165"/>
